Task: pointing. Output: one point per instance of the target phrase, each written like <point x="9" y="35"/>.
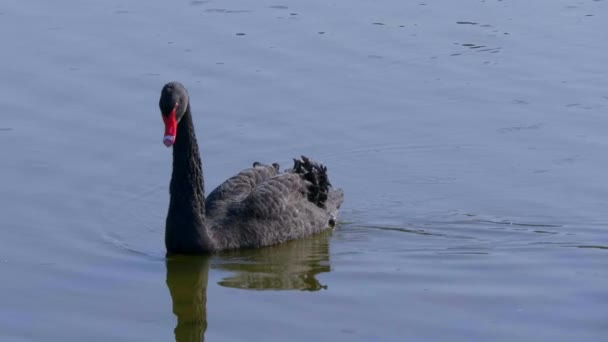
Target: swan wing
<point x="287" y="206"/>
<point x="236" y="188"/>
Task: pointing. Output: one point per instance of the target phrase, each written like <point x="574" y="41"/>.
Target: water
<point x="469" y="137"/>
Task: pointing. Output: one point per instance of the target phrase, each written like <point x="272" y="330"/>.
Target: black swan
<point x="260" y="206"/>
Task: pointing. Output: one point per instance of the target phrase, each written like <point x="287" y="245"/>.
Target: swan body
<point x="259" y="206"/>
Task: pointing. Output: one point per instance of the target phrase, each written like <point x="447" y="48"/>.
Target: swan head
<point x="173" y="104"/>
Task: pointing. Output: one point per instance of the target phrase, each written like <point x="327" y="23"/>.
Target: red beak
<point x="170" y="127"/>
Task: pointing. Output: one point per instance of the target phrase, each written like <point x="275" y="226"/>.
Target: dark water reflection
<point x="187" y="278"/>
<point x="290" y="266"/>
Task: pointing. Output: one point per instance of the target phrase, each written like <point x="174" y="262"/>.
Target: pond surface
<point x="469" y="137"/>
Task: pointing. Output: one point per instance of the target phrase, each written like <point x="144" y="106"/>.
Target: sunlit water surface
<point x="469" y="137"/>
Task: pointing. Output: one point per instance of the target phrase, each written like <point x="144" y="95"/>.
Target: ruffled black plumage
<point x="259" y="206"/>
<point x="316" y="176"/>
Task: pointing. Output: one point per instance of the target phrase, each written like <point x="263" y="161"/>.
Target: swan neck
<point x="186" y="230"/>
<point x="187" y="178"/>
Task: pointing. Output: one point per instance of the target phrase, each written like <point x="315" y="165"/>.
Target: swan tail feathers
<point x="315" y="174"/>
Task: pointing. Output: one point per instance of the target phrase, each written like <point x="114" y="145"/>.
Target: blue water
<point x="469" y="137"/>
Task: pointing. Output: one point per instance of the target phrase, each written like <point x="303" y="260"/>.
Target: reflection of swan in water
<point x="187" y="282"/>
<point x="290" y="266"/>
